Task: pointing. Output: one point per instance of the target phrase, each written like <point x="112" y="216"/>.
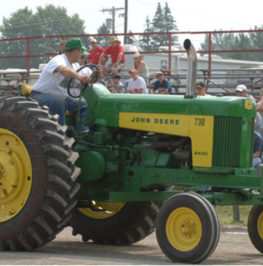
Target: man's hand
<point x="84" y="79"/>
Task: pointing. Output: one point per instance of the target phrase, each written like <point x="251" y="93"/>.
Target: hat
<point x="114" y="39"/>
<point x="137" y="54"/>
<point x="73" y="44"/>
<point x="200" y="85"/>
<point x="84" y="51"/>
<point x="241" y="88"/>
<point x="92" y="40"/>
<point x="133" y="70"/>
<point x="159" y="73"/>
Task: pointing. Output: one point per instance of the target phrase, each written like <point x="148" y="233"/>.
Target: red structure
<point x="210" y="50"/>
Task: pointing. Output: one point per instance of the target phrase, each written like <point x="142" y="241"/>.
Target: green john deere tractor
<point x="148" y="162"/>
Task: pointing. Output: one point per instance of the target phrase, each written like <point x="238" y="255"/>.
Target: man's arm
<point x="102" y="55"/>
<point x="68" y="72"/>
<point x="165" y="87"/>
<point x="119" y="58"/>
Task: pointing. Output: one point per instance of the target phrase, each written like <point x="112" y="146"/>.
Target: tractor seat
<point x="26" y="89"/>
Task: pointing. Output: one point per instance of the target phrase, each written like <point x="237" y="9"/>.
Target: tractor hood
<point x="105" y="108"/>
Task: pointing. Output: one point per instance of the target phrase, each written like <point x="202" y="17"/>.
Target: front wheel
<point x="186" y="228"/>
<point x="255" y="227"/>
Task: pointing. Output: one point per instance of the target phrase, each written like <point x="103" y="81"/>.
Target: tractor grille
<point x="227" y="136"/>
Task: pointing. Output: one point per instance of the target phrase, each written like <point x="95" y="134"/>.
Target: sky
<point x="191" y="15"/>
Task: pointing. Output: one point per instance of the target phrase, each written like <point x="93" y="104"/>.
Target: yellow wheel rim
<point x="102" y="210"/>
<point x="260" y="225"/>
<point x="183" y="229"/>
<point x="15" y="175"/>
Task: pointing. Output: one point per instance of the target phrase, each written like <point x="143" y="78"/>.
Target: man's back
<point x="50" y="81"/>
<point x="94" y="55"/>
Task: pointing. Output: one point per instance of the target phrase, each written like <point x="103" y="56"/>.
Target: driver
<point x="51" y="87"/>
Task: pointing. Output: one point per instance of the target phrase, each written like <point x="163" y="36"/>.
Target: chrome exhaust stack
<point x="191" y="73"/>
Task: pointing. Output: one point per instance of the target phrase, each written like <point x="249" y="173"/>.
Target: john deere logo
<point x="248" y="104"/>
<point x="154" y="120"/>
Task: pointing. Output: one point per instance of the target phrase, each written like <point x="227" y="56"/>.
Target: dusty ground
<point x="234" y="248"/>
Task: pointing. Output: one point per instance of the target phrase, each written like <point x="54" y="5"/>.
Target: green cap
<point x="73" y="43"/>
<point x="84" y="51"/>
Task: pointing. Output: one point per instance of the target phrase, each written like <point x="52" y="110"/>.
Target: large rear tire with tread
<point x="115" y="223"/>
<point x="37" y="175"/>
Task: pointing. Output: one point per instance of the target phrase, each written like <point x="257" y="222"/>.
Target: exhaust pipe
<point x="191" y="73"/>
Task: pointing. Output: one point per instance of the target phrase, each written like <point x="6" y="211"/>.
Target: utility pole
<point x="125" y="21"/>
<point x="113" y="12"/>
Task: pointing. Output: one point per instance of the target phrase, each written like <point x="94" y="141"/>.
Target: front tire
<point x="186" y="228"/>
<point x="255" y="227"/>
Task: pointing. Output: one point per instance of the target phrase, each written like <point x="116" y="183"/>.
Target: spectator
<point x="116" y="85"/>
<point x="259" y="106"/>
<point x="257" y="148"/>
<point x="241" y="91"/>
<point x="161" y="85"/>
<point x="101" y="81"/>
<point x="76" y="84"/>
<point x="82" y="62"/>
<point x="94" y="52"/>
<point x="115" y="51"/>
<point x="51" y="87"/>
<point x="141" y="66"/>
<point x="136" y="83"/>
<point x="201" y="89"/>
<point x="126" y="85"/>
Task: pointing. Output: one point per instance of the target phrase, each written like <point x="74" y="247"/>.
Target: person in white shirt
<point x="136" y="83"/>
<point x="76" y="84"/>
<point x="51" y="87"/>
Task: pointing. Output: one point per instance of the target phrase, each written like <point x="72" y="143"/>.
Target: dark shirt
<point x="257" y="142"/>
<point x="165" y="84"/>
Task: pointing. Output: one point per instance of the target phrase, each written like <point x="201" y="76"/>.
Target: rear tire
<point x="47" y="170"/>
<point x="118" y="224"/>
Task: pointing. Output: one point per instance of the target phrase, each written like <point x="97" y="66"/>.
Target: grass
<point x="226" y="215"/>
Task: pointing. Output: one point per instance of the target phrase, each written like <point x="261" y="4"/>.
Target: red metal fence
<point x="210" y="50"/>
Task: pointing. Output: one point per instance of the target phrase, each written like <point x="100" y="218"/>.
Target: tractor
<point x="148" y="162"/>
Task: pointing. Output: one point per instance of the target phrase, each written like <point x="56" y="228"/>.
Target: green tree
<point x="169" y="26"/>
<point x="257" y="41"/>
<point x="158" y="26"/>
<point x="46" y="21"/>
<point x="242" y="41"/>
<point x="103" y="40"/>
<point x="130" y="39"/>
<point x="145" y="40"/>
<point x="162" y="21"/>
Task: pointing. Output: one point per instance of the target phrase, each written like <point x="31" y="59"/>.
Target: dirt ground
<point x="234" y="248"/>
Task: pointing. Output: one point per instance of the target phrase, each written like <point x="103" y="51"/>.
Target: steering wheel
<point x="96" y="72"/>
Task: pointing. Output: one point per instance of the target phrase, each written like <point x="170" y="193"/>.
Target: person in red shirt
<point x="115" y="51"/>
<point x="94" y="52"/>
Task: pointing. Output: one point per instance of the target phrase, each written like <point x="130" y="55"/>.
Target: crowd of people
<point x="241" y="91"/>
<point x="50" y="89"/>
